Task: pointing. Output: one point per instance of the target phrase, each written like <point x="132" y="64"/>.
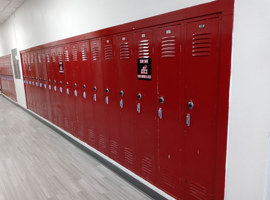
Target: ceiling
<point x="8" y="7"/>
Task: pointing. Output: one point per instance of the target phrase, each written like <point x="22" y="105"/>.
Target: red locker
<point x="110" y="95"/>
<point x="87" y="122"/>
<point x="44" y="83"/>
<point x="170" y="95"/>
<point x="146" y="118"/>
<point x="48" y="83"/>
<point x="201" y="92"/>
<point x="98" y="96"/>
<point x="125" y="61"/>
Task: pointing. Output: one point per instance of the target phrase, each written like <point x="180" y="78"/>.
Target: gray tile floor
<point x="37" y="163"/>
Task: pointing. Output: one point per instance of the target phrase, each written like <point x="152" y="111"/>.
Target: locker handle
<point x="188" y="119"/>
<point x="160" y="113"/>
<point x="122" y="93"/>
<point x="161" y="100"/>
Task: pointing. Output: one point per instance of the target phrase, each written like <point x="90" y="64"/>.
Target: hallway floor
<point x="37" y="163"/>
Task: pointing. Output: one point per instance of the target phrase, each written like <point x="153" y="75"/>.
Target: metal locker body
<point x="41" y="100"/>
<point x="49" y="73"/>
<point x="146" y="119"/>
<point x="125" y="61"/>
<point x="170" y="95"/>
<point x="98" y="96"/>
<point x="110" y="98"/>
<point x="201" y="87"/>
<point x="44" y="81"/>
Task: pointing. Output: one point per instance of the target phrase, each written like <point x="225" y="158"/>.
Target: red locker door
<point x="52" y="86"/>
<point x="169" y="113"/>
<point x="41" y="101"/>
<point x="125" y="61"/>
<point x="58" y="87"/>
<point x="36" y="86"/>
<point x="201" y="89"/>
<point x="98" y="96"/>
<point x="47" y="84"/>
<point x="44" y="85"/>
<point x="146" y="119"/>
<point x="68" y="99"/>
<point x="32" y="82"/>
<point x="87" y="123"/>
<point x="110" y="98"/>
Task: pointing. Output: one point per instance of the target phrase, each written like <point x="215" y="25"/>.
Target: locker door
<point x="201" y="88"/>
<point x="146" y="120"/>
<point x="52" y="85"/>
<point x="111" y="129"/>
<point x="169" y="100"/>
<point x="47" y="84"/>
<point x="33" y="77"/>
<point x="68" y="102"/>
<point x="58" y="87"/>
<point x="98" y="96"/>
<point x="39" y="86"/>
<point x="44" y="85"/>
<point x="125" y="61"/>
<point x="87" y="102"/>
<point x="36" y="88"/>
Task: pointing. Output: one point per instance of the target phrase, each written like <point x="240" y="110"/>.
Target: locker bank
<point x="169" y="100"/>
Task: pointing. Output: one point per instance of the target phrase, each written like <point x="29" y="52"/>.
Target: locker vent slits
<point x="129" y="157"/>
<point x="108" y="52"/>
<point x="53" y="57"/>
<point x="75" y="54"/>
<point x="43" y="58"/>
<point x="197" y="191"/>
<point x="48" y="58"/>
<point x="66" y="55"/>
<point x="84" y="54"/>
<point x="114" y="147"/>
<point x="201" y="44"/>
<point x="102" y="142"/>
<point x="168" y="47"/>
<point x="95" y="53"/>
<point x="147" y="165"/>
<point x="92" y="136"/>
<point x="143" y="49"/>
<point x="168" y="178"/>
<point x="124" y="51"/>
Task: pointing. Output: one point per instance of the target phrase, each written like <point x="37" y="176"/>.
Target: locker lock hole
<point x="49" y="81"/>
<point x="161" y="100"/>
<point x="139" y="96"/>
<point x="95" y="88"/>
<point x="67" y="84"/>
<point x="75" y="84"/>
<point x="54" y="81"/>
<point x="60" y="82"/>
<point x="122" y="93"/>
<point x="84" y="86"/>
<point x="190" y="105"/>
<point x="107" y="90"/>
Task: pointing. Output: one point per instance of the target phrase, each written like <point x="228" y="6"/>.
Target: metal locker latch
<point x="50" y="87"/>
<point x="138" y="107"/>
<point x="40" y="85"/>
<point x="67" y="91"/>
<point x="107" y="100"/>
<point x="84" y="95"/>
<point x="95" y="97"/>
<point x="54" y="88"/>
<point x="61" y="90"/>
<point x="75" y="93"/>
<point x="121" y="103"/>
<point x="188" y="120"/>
<point x="45" y="86"/>
<point x="36" y="84"/>
<point x="30" y="82"/>
<point x="33" y="83"/>
<point x="160" y="113"/>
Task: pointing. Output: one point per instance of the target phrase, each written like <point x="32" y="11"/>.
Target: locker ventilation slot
<point x="197" y="191"/>
<point x="108" y="52"/>
<point x="60" y="54"/>
<point x="66" y="55"/>
<point x="48" y="58"/>
<point x="168" y="178"/>
<point x="147" y="165"/>
<point x="201" y="44"/>
<point x="143" y="49"/>
<point x="129" y="157"/>
<point x="168" y="46"/>
<point x="43" y="58"/>
<point x="84" y="54"/>
<point x="95" y="53"/>
<point x="102" y="142"/>
<point x="114" y="148"/>
<point x="53" y="57"/>
<point x="124" y="51"/>
<point x="75" y="54"/>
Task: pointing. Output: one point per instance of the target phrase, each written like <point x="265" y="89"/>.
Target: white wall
<point x="41" y="21"/>
<point x="249" y="120"/>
